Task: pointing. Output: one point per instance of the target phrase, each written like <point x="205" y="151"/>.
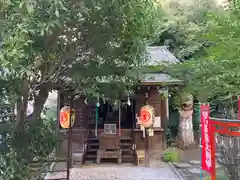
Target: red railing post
<point x="213" y="150"/>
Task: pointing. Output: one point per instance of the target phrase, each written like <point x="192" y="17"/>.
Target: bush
<point x="172" y="129"/>
<point x="170" y="156"/>
<point x="218" y="178"/>
<point x="32" y="142"/>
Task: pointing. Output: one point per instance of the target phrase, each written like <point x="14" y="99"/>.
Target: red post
<point x="238" y="98"/>
<point x="213" y="151"/>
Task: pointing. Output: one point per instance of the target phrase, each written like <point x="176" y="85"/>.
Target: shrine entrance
<point x="121" y="117"/>
<point x="108" y="123"/>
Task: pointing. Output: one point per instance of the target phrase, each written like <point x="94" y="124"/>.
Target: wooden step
<point x="125" y="158"/>
<point x="121" y="138"/>
<point x="122" y="144"/>
<point x="127" y="151"/>
<point x="95" y="150"/>
<point x="125" y="138"/>
<point x="93" y="140"/>
<point x="91" y="150"/>
<point x="91" y="156"/>
<point x="126" y="144"/>
<point x="123" y="154"/>
<point x="93" y="144"/>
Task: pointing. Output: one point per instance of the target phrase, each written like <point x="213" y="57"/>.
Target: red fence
<point x="223" y="127"/>
<point x="213" y="129"/>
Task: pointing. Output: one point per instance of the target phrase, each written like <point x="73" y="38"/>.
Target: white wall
<point x="50" y="103"/>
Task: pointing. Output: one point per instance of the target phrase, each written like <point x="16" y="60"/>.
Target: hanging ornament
<point x="146" y="95"/>
<point x="128" y="101"/>
<point x="85" y="101"/>
<point x="76" y="97"/>
<point x="98" y="103"/>
<point x="103" y="98"/>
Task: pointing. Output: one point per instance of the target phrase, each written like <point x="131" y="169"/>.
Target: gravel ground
<point x="118" y="173"/>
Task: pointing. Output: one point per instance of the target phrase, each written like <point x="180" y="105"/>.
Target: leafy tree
<point x="215" y="75"/>
<point x="89" y="46"/>
<point x="50" y="44"/>
<point x="185" y="20"/>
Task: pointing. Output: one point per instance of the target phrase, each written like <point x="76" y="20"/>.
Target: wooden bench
<point x="140" y="156"/>
<point x="109" y="148"/>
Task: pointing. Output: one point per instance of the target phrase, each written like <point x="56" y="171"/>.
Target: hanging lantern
<point x="128" y="101"/>
<point x="65" y="117"/>
<point x="147" y="116"/>
<point x="85" y="101"/>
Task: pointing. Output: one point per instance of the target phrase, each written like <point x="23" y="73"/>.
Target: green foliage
<point x="185" y="21"/>
<point x="196" y="117"/>
<point x="171" y="134"/>
<point x="173" y="123"/>
<point x="217" y="178"/>
<point x="171" y="156"/>
<point x="216" y="74"/>
<point x="92" y="46"/>
<point x="33" y="143"/>
<point x="102" y="39"/>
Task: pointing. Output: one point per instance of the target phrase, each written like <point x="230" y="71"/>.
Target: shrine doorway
<point x="108" y="113"/>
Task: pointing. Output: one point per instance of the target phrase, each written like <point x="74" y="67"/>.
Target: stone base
<point x="77" y="159"/>
<point x="189" y="147"/>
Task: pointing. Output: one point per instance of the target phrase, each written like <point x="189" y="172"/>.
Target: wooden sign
<point x="65" y="117"/>
<point x="110" y="128"/>
<point x="147" y="116"/>
<point x="150" y="132"/>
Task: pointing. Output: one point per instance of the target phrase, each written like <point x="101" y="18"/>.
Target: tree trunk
<point x="22" y="103"/>
<point x="185" y="132"/>
<point x="39" y="102"/>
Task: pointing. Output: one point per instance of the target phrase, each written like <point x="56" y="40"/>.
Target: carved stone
<point x="185" y="130"/>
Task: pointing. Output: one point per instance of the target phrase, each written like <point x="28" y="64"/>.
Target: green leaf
<point x="57" y="13"/>
<point x="29" y="8"/>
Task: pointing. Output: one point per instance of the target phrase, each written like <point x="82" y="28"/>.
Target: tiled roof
<point x="160" y="78"/>
<point x="160" y="54"/>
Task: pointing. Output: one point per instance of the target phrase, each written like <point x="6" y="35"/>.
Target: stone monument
<point x="185" y="130"/>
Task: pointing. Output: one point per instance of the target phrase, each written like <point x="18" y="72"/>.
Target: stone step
<point x="122" y="138"/>
<point x="122" y="144"/>
<point x="94" y="157"/>
<point x="96" y="149"/>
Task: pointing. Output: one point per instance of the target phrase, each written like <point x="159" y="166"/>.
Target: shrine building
<point x="91" y="120"/>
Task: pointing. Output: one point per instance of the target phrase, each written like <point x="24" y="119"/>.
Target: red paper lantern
<point x="147" y="115"/>
<point x="65" y="117"/>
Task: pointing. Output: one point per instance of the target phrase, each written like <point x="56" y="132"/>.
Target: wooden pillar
<point x="119" y="118"/>
<point x="147" y="156"/>
<point x="69" y="162"/>
<point x="164" y="117"/>
<point x="96" y="121"/>
<point x="58" y="121"/>
<point x="167" y="105"/>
